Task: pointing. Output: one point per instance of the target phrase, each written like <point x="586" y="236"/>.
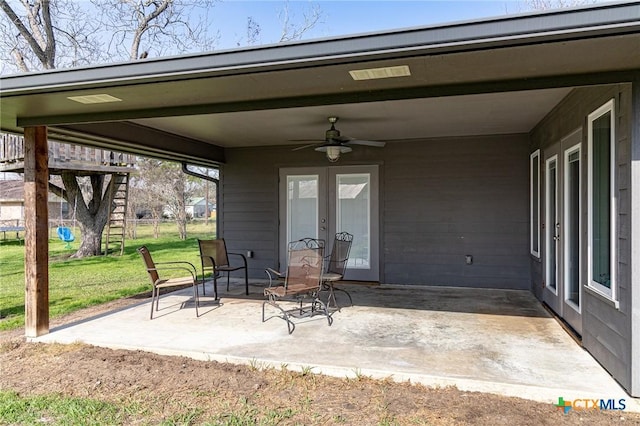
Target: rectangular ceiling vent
<point x="377" y="73"/>
<point x="94" y="99"/>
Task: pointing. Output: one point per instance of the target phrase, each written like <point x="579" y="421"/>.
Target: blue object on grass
<point x="65" y="235"/>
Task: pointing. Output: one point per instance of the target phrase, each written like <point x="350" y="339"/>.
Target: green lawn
<point x="78" y="283"/>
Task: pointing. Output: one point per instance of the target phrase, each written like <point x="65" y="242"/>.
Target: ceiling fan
<point x="334" y="144"/>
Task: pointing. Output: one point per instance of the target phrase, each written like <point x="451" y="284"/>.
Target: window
<point x="601" y="216"/>
<point x="534" y="192"/>
<point x="572" y="215"/>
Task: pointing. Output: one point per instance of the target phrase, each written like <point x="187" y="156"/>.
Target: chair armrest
<point x="274" y="275"/>
<point x="213" y="262"/>
<point x="244" y="259"/>
<point x="194" y="275"/>
<point x="188" y="266"/>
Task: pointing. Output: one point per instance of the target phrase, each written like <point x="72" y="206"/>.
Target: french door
<point x="318" y="202"/>
<point x="562" y="229"/>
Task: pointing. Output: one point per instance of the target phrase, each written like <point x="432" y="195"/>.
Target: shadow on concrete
<point x="427" y="298"/>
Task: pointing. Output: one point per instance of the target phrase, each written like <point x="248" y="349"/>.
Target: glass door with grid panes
<point x="562" y="229"/>
<point x="317" y="202"/>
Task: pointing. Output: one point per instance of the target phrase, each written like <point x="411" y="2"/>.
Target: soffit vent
<point x="378" y="73"/>
<point x="94" y="99"/>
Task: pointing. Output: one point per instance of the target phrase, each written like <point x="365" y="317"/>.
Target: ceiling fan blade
<point x="378" y="144"/>
<point x="306" y="146"/>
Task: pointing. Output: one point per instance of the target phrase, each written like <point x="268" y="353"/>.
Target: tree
<point x="290" y="28"/>
<point x="531" y="5"/>
<point x="291" y="31"/>
<point x="47" y="31"/>
<point x="91" y="205"/>
<point x="164" y="186"/>
<point x="555" y="4"/>
<point x="66" y="33"/>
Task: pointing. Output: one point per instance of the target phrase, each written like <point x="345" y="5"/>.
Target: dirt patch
<point x="163" y="387"/>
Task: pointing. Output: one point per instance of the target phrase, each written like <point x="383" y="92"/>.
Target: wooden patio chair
<point x="215" y="260"/>
<point x="336" y="266"/>
<point x="153" y="269"/>
<point x="302" y="283"/>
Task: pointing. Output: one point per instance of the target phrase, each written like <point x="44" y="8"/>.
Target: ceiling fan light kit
<point x="335" y="145"/>
<point x="333" y="151"/>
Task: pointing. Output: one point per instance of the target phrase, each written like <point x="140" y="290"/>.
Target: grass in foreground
<point x="78" y="283"/>
<point x="57" y="409"/>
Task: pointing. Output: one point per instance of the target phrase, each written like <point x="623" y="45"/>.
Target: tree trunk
<point x="156" y="215"/>
<point x="91" y="244"/>
<point x="92" y="216"/>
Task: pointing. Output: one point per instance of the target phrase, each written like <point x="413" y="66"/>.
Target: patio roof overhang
<point x="466" y="78"/>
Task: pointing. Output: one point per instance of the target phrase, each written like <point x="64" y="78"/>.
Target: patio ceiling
<point x="495" y="76"/>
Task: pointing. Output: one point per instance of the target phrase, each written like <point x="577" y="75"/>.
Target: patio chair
<point x="302" y="283"/>
<point x="154" y="269"/>
<point x="336" y="266"/>
<point x="215" y="260"/>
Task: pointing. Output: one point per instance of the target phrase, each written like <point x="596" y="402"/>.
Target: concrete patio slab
<point x="498" y="341"/>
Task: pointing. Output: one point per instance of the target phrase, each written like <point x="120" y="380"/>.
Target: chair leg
<point x="153" y="297"/>
<point x="215" y="286"/>
<point x="195" y="295"/>
<point x="285" y="316"/>
<point x="246" y="281"/>
<point x="345" y="292"/>
<point x="228" y="273"/>
<point x="324" y="308"/>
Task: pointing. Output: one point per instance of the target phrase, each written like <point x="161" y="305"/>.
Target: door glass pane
<point x="552" y="220"/>
<point x="302" y="207"/>
<point x="601" y="207"/>
<point x="352" y="215"/>
<point x="572" y="224"/>
<point x="535" y="203"/>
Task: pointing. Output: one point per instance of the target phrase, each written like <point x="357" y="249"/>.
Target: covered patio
<point x="465" y="131"/>
<point x="486" y="340"/>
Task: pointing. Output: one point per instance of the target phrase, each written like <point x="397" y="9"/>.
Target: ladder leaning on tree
<point x="116" y="226"/>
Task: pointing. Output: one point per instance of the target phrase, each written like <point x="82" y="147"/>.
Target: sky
<point x="347" y="17"/>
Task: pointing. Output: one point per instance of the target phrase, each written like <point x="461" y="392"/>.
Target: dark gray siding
<point x="606" y="329"/>
<point x="440" y="200"/>
<point x="447" y="198"/>
<point x="634" y="237"/>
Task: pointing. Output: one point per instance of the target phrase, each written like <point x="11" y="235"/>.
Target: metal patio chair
<point x="215" y="260"/>
<point x="302" y="283"/>
<point x="336" y="266"/>
<point x="153" y="269"/>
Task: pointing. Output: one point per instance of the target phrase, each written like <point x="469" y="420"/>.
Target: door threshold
<point x="565" y="325"/>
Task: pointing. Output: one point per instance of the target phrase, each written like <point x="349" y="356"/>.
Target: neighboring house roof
<point x="198" y="201"/>
<point x="488" y="76"/>
<point x="13" y="191"/>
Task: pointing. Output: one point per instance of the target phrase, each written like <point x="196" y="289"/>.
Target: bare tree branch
<point x="19" y="60"/>
<point x="144" y="22"/>
<point x="50" y="49"/>
<point x="55" y="189"/>
<point x="550" y="4"/>
<point x="295" y="32"/>
<point x="24" y="32"/>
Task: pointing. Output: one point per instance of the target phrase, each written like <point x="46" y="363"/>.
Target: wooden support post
<point x="36" y="257"/>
